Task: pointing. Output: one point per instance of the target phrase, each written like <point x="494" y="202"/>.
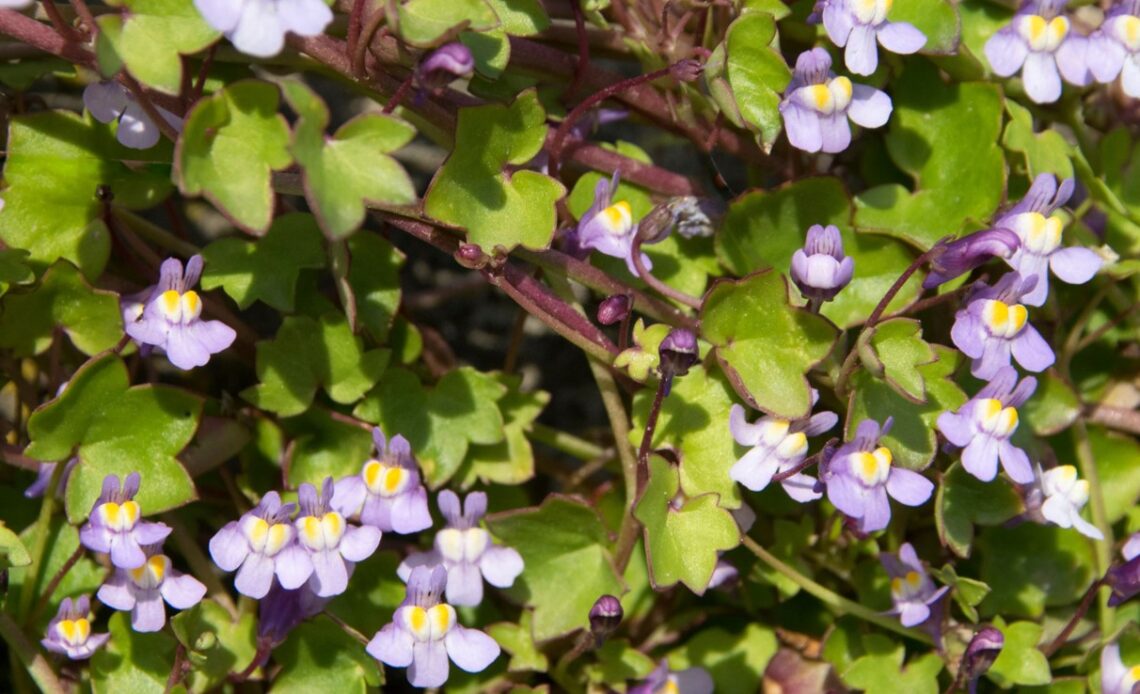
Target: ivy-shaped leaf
<point x="683" y="535"/>
<point x="231" y="142"/>
<point x="62" y="542"/>
<point x="736" y="660"/>
<point x="89" y="317"/>
<point x="150" y="37"/>
<point x="14" y="268"/>
<point x="345" y="171"/>
<point x="1031" y="567"/>
<point x="1020" y="661"/>
<point x="964" y="501"/>
<point x="1053" y="407"/>
<point x="968" y="592"/>
<point x="618" y="661"/>
<point x="320" y="656"/>
<point x="57" y="162"/>
<point x="216" y="645"/>
<point x="118" y="429"/>
<point x="440" y="423"/>
<point x="893" y="351"/>
<point x="307" y="354"/>
<point x="374" y="275"/>
<point x="265" y="269"/>
<point x="563" y="544"/>
<point x="764" y="344"/>
<point x="1044" y="152"/>
<point x="12" y="551"/>
<point x="747" y="76"/>
<point x="640" y="361"/>
<point x="132" y="661"/>
<point x="475" y="188"/>
<point x="511" y="461"/>
<point x="427" y="23"/>
<point x="881" y="671"/>
<point x="518" y="641"/>
<point x="937" y="19"/>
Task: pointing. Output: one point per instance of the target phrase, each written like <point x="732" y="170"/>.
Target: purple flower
<point x="912" y="591"/>
<point x="1039" y="42"/>
<point x="608" y="226"/>
<point x="981" y="653"/>
<point x="263" y="543"/>
<point x="444" y="64"/>
<point x="281" y="610"/>
<point x="466" y="551"/>
<point x="821" y="269"/>
<point x="1115" y="677"/>
<point x="387" y="494"/>
<point x="172" y="319"/>
<point x="1114" y="48"/>
<point x="777" y="445"/>
<point x="330" y="540"/>
<point x="111" y="101"/>
<point x="1065" y="496"/>
<point x="43" y="479"/>
<point x="1124" y="579"/>
<point x="424" y="633"/>
<point x="860" y="476"/>
<point x="258" y="27"/>
<point x="142" y="591"/>
<point x="678" y="353"/>
<point x="817" y="104"/>
<point x="963" y="255"/>
<point x="994" y="325"/>
<point x="857" y="23"/>
<point x="984" y="425"/>
<point x="695" y="680"/>
<point x="1039" y="231"/>
<point x="115" y="526"/>
<point x="69" y="632"/>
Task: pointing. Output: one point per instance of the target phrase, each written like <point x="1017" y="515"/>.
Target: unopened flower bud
<point x="1124" y="580"/>
<point x="205" y="641"/>
<point x="614" y="309"/>
<point x="446" y="63"/>
<point x="687" y="70"/>
<point x="656" y="225"/>
<point x="471" y="256"/>
<point x="605" y="616"/>
<point x="981" y="653"/>
<point x="821" y="269"/>
<point x="678" y="352"/>
<point x="960" y="256"/>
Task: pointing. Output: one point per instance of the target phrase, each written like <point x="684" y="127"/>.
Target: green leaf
<point x="216" y="645"/>
<point x="439" y="423"/>
<point x="374" y="275"/>
<point x="791" y="540"/>
<point x="150" y="38"/>
<point x="763" y="228"/>
<point x="736" y="660"/>
<point x="1031" y="567"/>
<point x="618" y="661"/>
<point x="511" y="461"/>
<point x="232" y="140"/>
<point x="956" y="186"/>
<point x="117" y="429"/>
<point x="964" y="501"/>
<point x="324" y="447"/>
<point x="427" y="23"/>
<point x="307" y="354"/>
<point x="21" y="73"/>
<point x="345" y="172"/>
<point x="1020" y="661"/>
<point x="518" y="640"/>
<point x="521" y="17"/>
<point x="1053" y="407"/>
<point x="376" y="592"/>
<point x="881" y="671"/>
<point x="683" y="536"/>
<point x="912" y="439"/>
<point x="641" y="360"/>
<point x="938" y="19"/>
<point x="1044" y="152"/>
<point x="563" y="546"/>
<point x="57" y="161"/>
<point x="474" y="189"/>
<point x="14" y="268"/>
<point x="764" y="344"/>
<point x="756" y="75"/>
<point x="132" y="661"/>
<point x="265" y="269"/>
<point x="968" y="592"/>
<point x="319" y="656"/>
<point x="12" y="551"/>
<point x="694" y="422"/>
<point x="64" y="300"/>
<point x="1117" y="471"/>
<point x="893" y="351"/>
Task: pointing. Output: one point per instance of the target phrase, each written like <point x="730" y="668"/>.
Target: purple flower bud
<point x="281" y="610"/>
<point x="614" y="309"/>
<point x="963" y="255"/>
<point x="471" y="256"/>
<point x="821" y="269"/>
<point x="43" y="479"/>
<point x="678" y="352"/>
<point x="448" y="62"/>
<point x="1124" y="580"/>
<point x="983" y="650"/>
<point x="69" y="632"/>
<point x="688" y="70"/>
<point x="605" y="616"/>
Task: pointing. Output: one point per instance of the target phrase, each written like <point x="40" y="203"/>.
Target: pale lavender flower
<point x="1115" y="677"/>
<point x="43" y="479"/>
<point x="860" y="476"/>
<point x="821" y="269"/>
<point x="995" y="325"/>
<point x="388" y="493"/>
<point x="777" y="445"/>
<point x="172" y="319"/>
<point x="963" y="255"/>
<point x="110" y="101"/>
<point x="605" y="617"/>
<point x="466" y="551"/>
<point x="608" y="226"/>
<point x="695" y="680"/>
<point x="142" y="591"/>
<point x="330" y="540"/>
<point x="1131" y="548"/>
<point x="817" y="104"/>
<point x="263" y="543"/>
<point x="1114" y="48"/>
<point x="258" y="27"/>
<point x="1065" y="496"/>
<point x="1039" y="231"/>
<point x="424" y="633"/>
<point x="115" y="526"/>
<point x="69" y="632"/>
<point x="1039" y="42"/>
<point x="912" y="591"/>
<point x="15" y="4"/>
<point x="857" y="23"/>
<point x="984" y="425"/>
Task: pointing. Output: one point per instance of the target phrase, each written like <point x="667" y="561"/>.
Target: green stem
<point x="1103" y="548"/>
<point x="567" y="443"/>
<point x="835" y="602"/>
<point x="203" y="568"/>
<point x="34" y="660"/>
<point x="39" y="546"/>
